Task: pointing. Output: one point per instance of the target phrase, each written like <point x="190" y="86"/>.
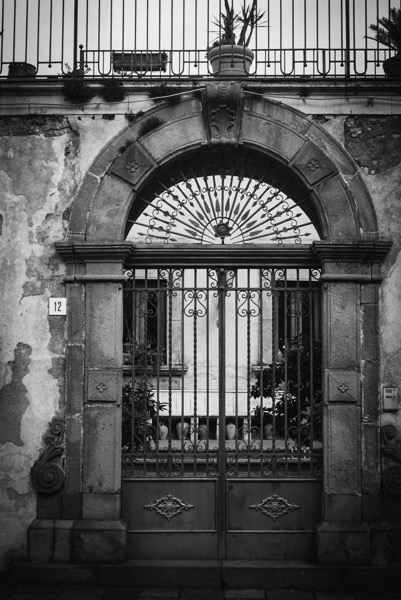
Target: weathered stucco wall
<point x="43" y="160"/>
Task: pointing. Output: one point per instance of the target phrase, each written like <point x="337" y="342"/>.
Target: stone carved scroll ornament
<point x="47" y="474"/>
<point x="391" y="474"/>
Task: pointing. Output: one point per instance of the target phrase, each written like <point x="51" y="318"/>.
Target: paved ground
<point x="15" y="592"/>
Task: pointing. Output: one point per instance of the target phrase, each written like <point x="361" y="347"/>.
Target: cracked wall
<point x="42" y="159"/>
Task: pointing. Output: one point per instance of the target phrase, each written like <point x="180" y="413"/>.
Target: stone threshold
<point x="203" y="574"/>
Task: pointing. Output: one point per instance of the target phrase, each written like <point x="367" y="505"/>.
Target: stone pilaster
<point x="350" y="275"/>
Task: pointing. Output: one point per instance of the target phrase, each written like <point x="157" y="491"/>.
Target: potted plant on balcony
<point x="140" y="407"/>
<point x="297" y="406"/>
<point x="263" y="421"/>
<point x="229" y="55"/>
<point x="388" y="32"/>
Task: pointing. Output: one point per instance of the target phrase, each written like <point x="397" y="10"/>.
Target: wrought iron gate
<point x="222" y="435"/>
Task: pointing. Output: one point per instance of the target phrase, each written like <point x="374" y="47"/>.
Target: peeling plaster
<point x="13" y="397"/>
<point x="374" y="142"/>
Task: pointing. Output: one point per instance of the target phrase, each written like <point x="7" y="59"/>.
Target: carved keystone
<point x="222" y="105"/>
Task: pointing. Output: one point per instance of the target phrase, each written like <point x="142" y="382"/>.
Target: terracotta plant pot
<point x="182" y="429"/>
<point x="231" y="430"/>
<point x="230" y="61"/>
<point x="163" y="431"/>
<point x="202" y="432"/>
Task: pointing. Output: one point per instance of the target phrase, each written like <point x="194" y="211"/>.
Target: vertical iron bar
<point x="311" y="370"/>
<point x="298" y="308"/>
<point x="286" y="341"/>
<point x="50" y="33"/>
<point x="248" y="368"/>
<point x="62" y="32"/>
<point x="133" y="337"/>
<point x="38" y="34"/>
<point x="236" y="419"/>
<point x="15" y="28"/>
<point x="207" y="372"/>
<point x="222" y="410"/>
<point x="26" y="30"/>
<point x="347" y="39"/>
<point x="261" y="369"/>
<point x="75" y="38"/>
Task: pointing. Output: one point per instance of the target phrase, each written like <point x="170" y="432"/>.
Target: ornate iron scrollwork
<point x="169" y="506"/>
<point x="391" y="475"/>
<point x="47" y="474"/>
<point x="274" y="506"/>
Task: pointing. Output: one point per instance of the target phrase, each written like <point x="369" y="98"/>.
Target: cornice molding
<point x="357" y="252"/>
<point x="232" y="256"/>
<point x="81" y="252"/>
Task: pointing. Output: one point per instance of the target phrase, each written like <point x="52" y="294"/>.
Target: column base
<point x="343" y="543"/>
<point x="98" y="542"/>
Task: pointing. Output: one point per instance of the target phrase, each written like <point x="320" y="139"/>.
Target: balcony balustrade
<point x="169" y="39"/>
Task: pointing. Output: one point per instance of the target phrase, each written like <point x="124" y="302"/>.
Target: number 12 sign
<point x="57" y="306"/>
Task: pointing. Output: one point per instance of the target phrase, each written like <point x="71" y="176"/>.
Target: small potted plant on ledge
<point x="229" y="55"/>
<point x="388" y="32"/>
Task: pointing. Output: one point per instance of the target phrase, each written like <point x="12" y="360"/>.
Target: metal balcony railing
<point x="169" y="39"/>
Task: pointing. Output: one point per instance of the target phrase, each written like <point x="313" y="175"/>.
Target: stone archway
<point x="350" y="253"/>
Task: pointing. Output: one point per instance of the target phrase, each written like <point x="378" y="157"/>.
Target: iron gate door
<point x="222" y="430"/>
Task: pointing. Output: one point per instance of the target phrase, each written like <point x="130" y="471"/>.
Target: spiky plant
<point x="230" y="21"/>
<point x="388" y="30"/>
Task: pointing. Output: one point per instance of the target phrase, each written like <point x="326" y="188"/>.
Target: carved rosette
<point x="169" y="506"/>
<point x="222" y="105"/>
<point x="274" y="507"/>
<point x="391" y="474"/>
<point x="47" y="474"/>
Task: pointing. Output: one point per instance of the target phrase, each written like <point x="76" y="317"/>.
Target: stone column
<point x="93" y="404"/>
<point x="350" y="276"/>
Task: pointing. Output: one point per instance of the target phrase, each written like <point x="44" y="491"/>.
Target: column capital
<point x="369" y="251"/>
<point x="84" y="252"/>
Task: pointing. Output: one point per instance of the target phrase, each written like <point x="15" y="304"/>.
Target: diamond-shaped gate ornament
<point x="274" y="506"/>
<point x="169" y="506"/>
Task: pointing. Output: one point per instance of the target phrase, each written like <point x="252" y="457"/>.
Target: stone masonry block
<point x="371" y="508"/>
<point x="337" y="207"/>
<point x="73" y="459"/>
<point x="370" y="459"/>
<point x="313" y="165"/>
<point x="97" y="542"/>
<point x="370" y="333"/>
<point x="343" y="543"/>
<point x="104" y="313"/>
<point x="332" y="150"/>
<point x="62" y="541"/>
<point x="342" y="507"/>
<point x="79" y="215"/>
<point x="165" y="140"/>
<point x="75" y="378"/>
<point x="41" y="540"/>
<point x="369" y="293"/>
<point x="343" y="386"/>
<point x="370" y="391"/>
<point x="276" y="112"/>
<point x="101" y="506"/>
<point x="343" y="449"/>
<point x="102" y="449"/>
<point x="104" y="385"/>
<point x="76" y="313"/>
<point x="280" y="139"/>
<point x="361" y="198"/>
<point x="343" y="334"/>
<point x="109" y="210"/>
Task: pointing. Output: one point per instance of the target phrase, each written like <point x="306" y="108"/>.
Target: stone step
<point x="273" y="575"/>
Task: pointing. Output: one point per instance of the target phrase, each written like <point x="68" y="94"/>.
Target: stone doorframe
<point x="85" y="526"/>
